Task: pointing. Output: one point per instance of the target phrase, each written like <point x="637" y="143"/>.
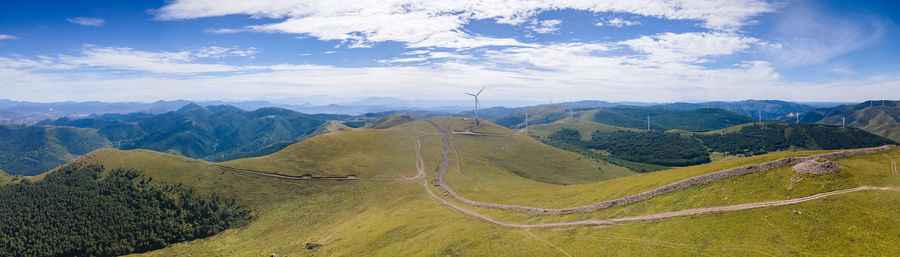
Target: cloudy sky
<point x="528" y="51"/>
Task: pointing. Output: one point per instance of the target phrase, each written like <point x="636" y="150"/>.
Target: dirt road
<point x="447" y="133"/>
<point x="420" y="166"/>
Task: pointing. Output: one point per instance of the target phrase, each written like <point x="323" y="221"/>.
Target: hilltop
<point x="402" y="213"/>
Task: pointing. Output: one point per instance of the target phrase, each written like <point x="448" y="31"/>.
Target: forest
<point x="84" y="211"/>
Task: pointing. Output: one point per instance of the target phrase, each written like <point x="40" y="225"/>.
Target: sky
<point x="531" y="51"/>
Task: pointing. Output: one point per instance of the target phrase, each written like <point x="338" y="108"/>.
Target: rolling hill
<point x="845" y="213"/>
<point x="703" y="119"/>
<point x="212" y="133"/>
<point x="879" y="117"/>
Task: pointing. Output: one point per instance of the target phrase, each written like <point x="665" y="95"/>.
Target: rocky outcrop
<point x="817" y="167"/>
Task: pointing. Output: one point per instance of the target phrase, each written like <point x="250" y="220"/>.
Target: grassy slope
<point x="4" y="178"/>
<point x="585" y="127"/>
<point x="503" y="156"/>
<point x="397" y="218"/>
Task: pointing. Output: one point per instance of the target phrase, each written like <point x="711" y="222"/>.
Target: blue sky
<point x="523" y="51"/>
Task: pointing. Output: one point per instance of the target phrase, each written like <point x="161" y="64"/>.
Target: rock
<point x="816" y="167"/>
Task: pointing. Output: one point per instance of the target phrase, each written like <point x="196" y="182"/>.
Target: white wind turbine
<point x="476" y="103"/>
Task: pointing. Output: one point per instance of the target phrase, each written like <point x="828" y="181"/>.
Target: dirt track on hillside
<point x="420" y="165"/>
<point x="446" y="134"/>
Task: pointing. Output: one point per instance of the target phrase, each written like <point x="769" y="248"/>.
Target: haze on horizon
<point x="525" y="51"/>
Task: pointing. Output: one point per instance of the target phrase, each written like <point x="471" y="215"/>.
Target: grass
<point x="584" y="127"/>
<point x="398" y="218"/>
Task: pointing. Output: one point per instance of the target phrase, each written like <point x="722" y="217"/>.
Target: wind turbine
<point x="476" y="103"/>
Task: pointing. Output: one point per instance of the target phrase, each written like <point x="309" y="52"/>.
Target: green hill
<point x="400" y="217"/>
<point x="683" y="149"/>
<point x="879" y="117"/>
<point x="584" y="127"/>
<point x="703" y="119"/>
<point x="212" y="133"/>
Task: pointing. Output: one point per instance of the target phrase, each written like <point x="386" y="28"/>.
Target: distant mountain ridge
<point x="766" y="109"/>
<point x="212" y="133"/>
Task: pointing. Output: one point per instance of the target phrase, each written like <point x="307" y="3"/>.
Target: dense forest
<point x="683" y="149"/>
<point x="653" y="147"/>
<point x="76" y="211"/>
<point x="762" y="138"/>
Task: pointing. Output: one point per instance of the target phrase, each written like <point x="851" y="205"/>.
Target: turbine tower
<point x="526" y="122"/>
<point x="648" y="122"/>
<point x="476" y="104"/>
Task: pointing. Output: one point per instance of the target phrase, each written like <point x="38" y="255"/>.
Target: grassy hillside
<point x="386" y="153"/>
<point x="391" y="218"/>
<point x="35" y="149"/>
<point x="584" y="127"/>
<point x="5" y="178"/>
<point x="879" y="117"/>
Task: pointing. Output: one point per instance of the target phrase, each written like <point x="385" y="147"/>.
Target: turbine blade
<point x="479" y="91"/>
<point x="469" y="94"/>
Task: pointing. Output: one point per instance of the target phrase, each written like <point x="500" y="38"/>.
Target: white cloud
<point x="545" y="26"/>
<point x="617" y="22"/>
<point x="7" y="37"/>
<point x="128" y="59"/>
<point x="689" y="47"/>
<point x="86" y="21"/>
<point x="441" y="23"/>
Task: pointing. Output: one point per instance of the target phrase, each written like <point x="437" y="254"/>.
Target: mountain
<point x="703" y="119"/>
<point x="395" y="206"/>
<point x="767" y="109"/>
<point x="690" y="148"/>
<point x="35" y="149"/>
<point x="212" y="132"/>
<point x="879" y="117"/>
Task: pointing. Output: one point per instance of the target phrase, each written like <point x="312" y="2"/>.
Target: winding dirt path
<point x="420" y="166"/>
<point x="447" y="133"/>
